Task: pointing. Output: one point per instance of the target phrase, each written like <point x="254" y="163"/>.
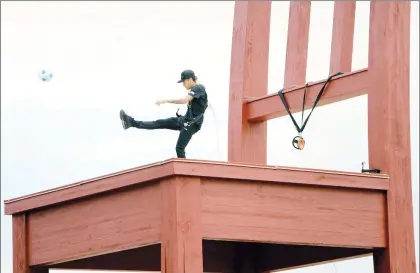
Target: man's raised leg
<point x="168" y="123"/>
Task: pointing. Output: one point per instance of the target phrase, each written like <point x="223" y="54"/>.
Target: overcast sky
<point x="106" y="56"/>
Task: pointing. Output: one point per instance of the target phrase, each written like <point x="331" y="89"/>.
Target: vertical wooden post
<point x="389" y="127"/>
<point x="181" y="248"/>
<point x="20" y="246"/>
<point x="20" y="258"/>
<point x="248" y="78"/>
<point x="297" y="43"/>
<point x="342" y="36"/>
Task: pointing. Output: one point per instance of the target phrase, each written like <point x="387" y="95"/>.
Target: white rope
<point x="217" y="135"/>
<point x="335" y="268"/>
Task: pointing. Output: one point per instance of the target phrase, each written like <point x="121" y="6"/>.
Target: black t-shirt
<point x="198" y="104"/>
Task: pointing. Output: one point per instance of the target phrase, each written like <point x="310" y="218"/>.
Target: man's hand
<point x="159" y="102"/>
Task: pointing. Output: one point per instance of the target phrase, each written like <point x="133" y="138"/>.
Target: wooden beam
<point x="98" y="225"/>
<point x="342" y="36"/>
<point x="90" y="187"/>
<point x="181" y="247"/>
<point x="293" y="214"/>
<point x="389" y="127"/>
<point x="297" y="43"/>
<point x="284" y="175"/>
<point x="20" y="258"/>
<point x="298" y="256"/>
<point x="20" y="246"/>
<point x="340" y="88"/>
<point x="248" y="77"/>
<point x="199" y="168"/>
<point x="140" y="259"/>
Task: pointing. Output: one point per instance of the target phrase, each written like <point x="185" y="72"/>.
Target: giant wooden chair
<point x="243" y="216"/>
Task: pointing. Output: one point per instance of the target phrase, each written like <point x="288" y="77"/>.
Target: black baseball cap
<point x="186" y="74"/>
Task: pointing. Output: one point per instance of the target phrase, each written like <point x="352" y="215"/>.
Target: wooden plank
<point x="20" y="259"/>
<point x="140" y="259"/>
<point x="293" y="214"/>
<point x="342" y="36"/>
<point x="283" y="175"/>
<point x="89" y="187"/>
<point x="181" y="247"/>
<point x="340" y="88"/>
<point x="95" y="226"/>
<point x="20" y="246"/>
<point x="297" y="43"/>
<point x="248" y="77"/>
<point x="199" y="168"/>
<point x="389" y="127"/>
<point x="298" y="256"/>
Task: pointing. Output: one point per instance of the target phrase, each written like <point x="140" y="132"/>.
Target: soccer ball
<point x="45" y="75"/>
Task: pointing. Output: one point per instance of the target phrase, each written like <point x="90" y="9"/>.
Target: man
<point x="188" y="124"/>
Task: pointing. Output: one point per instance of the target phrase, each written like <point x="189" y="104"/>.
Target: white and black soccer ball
<point x="45" y="75"/>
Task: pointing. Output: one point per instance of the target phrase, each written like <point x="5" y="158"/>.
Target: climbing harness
<point x="195" y="119"/>
<point x="298" y="141"/>
<point x="191" y="118"/>
<point x="189" y="123"/>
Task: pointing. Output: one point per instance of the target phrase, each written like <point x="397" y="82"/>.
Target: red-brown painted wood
<point x="342" y="36"/>
<point x="141" y="259"/>
<point x="181" y="226"/>
<point x="95" y="226"/>
<point x="198" y="168"/>
<point x="90" y="187"/>
<point x="297" y="43"/>
<point x="242" y="202"/>
<point x="219" y="256"/>
<point x="293" y="214"/>
<point x="20" y="246"/>
<point x="248" y="78"/>
<point x="340" y="88"/>
<point x="253" y="173"/>
<point x="20" y="259"/>
<point x="389" y="127"/>
<point x="294" y="256"/>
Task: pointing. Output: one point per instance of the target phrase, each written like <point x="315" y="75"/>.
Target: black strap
<point x="194" y="120"/>
<point x="283" y="99"/>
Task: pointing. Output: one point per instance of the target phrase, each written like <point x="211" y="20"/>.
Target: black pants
<point x="172" y="123"/>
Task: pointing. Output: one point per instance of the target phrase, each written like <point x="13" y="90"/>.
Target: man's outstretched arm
<point x="183" y="100"/>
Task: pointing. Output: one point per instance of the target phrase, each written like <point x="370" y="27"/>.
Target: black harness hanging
<point x="298" y="142"/>
<point x="189" y="117"/>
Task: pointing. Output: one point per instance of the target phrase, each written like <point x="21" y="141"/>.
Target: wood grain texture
<point x="292" y="214"/>
<point x="181" y="237"/>
<point x="90" y="187"/>
<point x="347" y="86"/>
<point x="146" y="258"/>
<point x="297" y="43"/>
<point x="200" y="168"/>
<point x="342" y="36"/>
<point x="248" y="77"/>
<point x="285" y="175"/>
<point x="389" y="127"/>
<point x="95" y="226"/>
<point x="20" y="259"/>
<point x="220" y="256"/>
<point x="295" y="256"/>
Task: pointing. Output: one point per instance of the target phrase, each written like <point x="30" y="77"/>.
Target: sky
<point x="105" y="56"/>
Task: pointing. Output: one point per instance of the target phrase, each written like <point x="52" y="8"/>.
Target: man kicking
<point x="188" y="124"/>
